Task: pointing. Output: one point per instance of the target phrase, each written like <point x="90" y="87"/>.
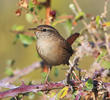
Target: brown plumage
<point x="52" y="47"/>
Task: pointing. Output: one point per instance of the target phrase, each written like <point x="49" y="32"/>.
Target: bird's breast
<point x="51" y="51"/>
<point x="45" y="46"/>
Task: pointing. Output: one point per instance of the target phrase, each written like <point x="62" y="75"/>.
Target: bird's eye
<point x="44" y="30"/>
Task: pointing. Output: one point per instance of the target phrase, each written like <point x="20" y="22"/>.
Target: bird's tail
<point x="72" y="38"/>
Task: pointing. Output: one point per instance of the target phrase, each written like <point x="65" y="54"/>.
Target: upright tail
<point x="72" y="38"/>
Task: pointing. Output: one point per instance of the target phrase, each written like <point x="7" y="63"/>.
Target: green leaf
<point x="11" y="62"/>
<point x="44" y="75"/>
<point x="69" y="25"/>
<point x="89" y="84"/>
<point x="56" y="72"/>
<point x="102" y="54"/>
<point x="79" y="16"/>
<point x="30" y="83"/>
<point x="40" y="93"/>
<point x="13" y="98"/>
<point x="97" y="20"/>
<point x="39" y="7"/>
<point x="74" y="95"/>
<point x="16" y="38"/>
<point x="9" y="71"/>
<point x="19" y="97"/>
<point x="31" y="6"/>
<point x="105" y="64"/>
<point x="29" y="17"/>
<point x="31" y="96"/>
<point x="18" y="28"/>
<point x="26" y="40"/>
<point x="36" y="10"/>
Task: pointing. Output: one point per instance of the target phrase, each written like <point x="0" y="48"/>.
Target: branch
<point x="23" y="32"/>
<point x="43" y="87"/>
<point x="48" y="9"/>
<point x="91" y="31"/>
<point x="72" y="66"/>
<point x="18" y="74"/>
<point x="30" y="88"/>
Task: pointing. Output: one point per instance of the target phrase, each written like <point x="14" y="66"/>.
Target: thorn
<point x="23" y="84"/>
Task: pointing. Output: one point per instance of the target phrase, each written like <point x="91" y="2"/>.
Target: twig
<point x="23" y="32"/>
<point x="62" y="19"/>
<point x="104" y="14"/>
<point x="107" y="43"/>
<point x="88" y="27"/>
<point x="77" y="6"/>
<point x="66" y="17"/>
<point x="59" y="21"/>
<point x="21" y="73"/>
<point x="72" y="66"/>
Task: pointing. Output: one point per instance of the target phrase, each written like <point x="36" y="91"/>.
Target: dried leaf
<point x="18" y="12"/>
<point x="23" y="3"/>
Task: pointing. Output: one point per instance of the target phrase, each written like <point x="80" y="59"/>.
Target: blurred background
<point x="26" y="56"/>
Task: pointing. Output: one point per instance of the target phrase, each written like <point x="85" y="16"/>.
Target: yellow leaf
<point x="106" y="24"/>
<point x="63" y="93"/>
<point x="52" y="94"/>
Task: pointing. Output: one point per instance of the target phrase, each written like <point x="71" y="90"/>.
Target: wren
<point x="52" y="47"/>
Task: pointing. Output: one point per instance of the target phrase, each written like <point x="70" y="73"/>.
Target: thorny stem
<point x="76" y="60"/>
<point x="30" y="88"/>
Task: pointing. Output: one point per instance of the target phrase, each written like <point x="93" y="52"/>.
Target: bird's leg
<point x="46" y="70"/>
<point x="47" y="75"/>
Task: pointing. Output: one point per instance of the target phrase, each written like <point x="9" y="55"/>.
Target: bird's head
<point x="44" y="30"/>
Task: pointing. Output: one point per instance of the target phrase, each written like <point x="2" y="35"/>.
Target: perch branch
<point x="30" y="88"/>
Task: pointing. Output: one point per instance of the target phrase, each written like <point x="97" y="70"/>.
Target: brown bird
<point x="52" y="47"/>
